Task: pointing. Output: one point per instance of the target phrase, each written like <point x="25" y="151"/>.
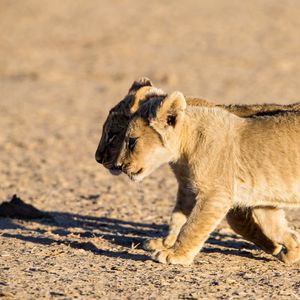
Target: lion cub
<point x="226" y="161"/>
<point x="258" y="225"/>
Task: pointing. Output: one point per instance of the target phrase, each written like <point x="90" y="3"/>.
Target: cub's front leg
<point x="205" y="216"/>
<point x="184" y="204"/>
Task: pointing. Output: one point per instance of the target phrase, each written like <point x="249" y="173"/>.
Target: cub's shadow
<point x="129" y="235"/>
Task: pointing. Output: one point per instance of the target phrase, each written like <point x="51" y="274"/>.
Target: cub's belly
<point x="278" y="196"/>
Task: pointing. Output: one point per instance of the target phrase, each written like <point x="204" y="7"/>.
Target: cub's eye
<point x="110" y="139"/>
<point x="131" y="143"/>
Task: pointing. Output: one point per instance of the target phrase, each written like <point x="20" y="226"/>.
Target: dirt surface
<point x="63" y="64"/>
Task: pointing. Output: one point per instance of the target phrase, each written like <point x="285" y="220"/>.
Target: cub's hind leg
<point x="291" y="241"/>
<point x="254" y="227"/>
<point x="184" y="205"/>
<point x="275" y="226"/>
<point x="268" y="228"/>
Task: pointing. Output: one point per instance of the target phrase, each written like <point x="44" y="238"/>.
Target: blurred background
<point x="64" y="64"/>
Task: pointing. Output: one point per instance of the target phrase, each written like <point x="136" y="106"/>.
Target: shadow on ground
<point x="117" y="232"/>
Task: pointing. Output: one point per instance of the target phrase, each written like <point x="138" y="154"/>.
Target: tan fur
<point x="227" y="162"/>
<point x="241" y="220"/>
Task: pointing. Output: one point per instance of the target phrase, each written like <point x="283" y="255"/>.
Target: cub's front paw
<point x="291" y="256"/>
<point x="169" y="256"/>
<point x="160" y="244"/>
<point x="154" y="245"/>
<point x="276" y="250"/>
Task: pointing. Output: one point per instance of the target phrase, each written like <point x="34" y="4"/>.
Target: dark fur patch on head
<point x="148" y="109"/>
<point x="123" y="107"/>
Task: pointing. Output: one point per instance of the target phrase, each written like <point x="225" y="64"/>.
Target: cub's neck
<point x="207" y="129"/>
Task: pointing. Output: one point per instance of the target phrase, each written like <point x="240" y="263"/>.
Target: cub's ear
<point x="144" y="81"/>
<point x="139" y="97"/>
<point x="138" y="90"/>
<point x="171" y="109"/>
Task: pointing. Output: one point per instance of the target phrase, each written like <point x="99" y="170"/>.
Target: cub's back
<point x="269" y="157"/>
<point x="264" y="133"/>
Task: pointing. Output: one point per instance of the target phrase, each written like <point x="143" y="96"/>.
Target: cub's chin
<point x="138" y="176"/>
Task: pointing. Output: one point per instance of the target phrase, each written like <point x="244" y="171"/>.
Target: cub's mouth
<point x="132" y="175"/>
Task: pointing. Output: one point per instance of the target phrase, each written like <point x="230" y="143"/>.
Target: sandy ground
<point x="63" y="64"/>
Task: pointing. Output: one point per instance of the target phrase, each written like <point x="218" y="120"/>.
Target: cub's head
<point x="116" y="124"/>
<point x="153" y="136"/>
